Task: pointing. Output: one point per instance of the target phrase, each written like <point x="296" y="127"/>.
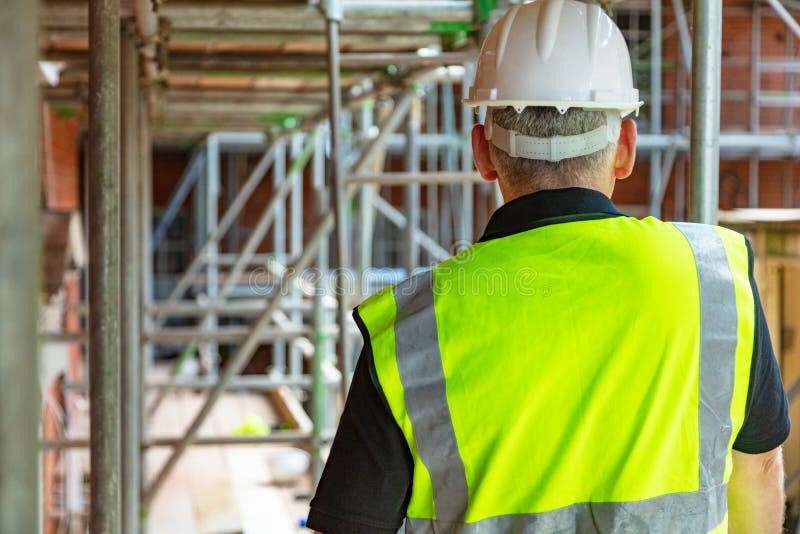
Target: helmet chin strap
<point x="553" y="148"/>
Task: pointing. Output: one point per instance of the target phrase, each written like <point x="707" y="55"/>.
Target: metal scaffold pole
<point x="20" y="405"/>
<point x="704" y="144"/>
<point x="210" y="350"/>
<point x="319" y="391"/>
<point x="104" y="265"/>
<point x="656" y="178"/>
<point x="412" y="191"/>
<point x="333" y="16"/>
<point x="146" y="280"/>
<point x="131" y="295"/>
<point x="296" y="236"/>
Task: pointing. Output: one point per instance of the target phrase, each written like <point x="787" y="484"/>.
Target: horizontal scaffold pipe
<point x="234" y="308"/>
<point x="244" y="382"/>
<point x="284" y="436"/>
<point x="407" y="178"/>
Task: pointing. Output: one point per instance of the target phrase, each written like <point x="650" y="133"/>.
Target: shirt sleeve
<point x="766" y="421"/>
<point x="366" y="483"/>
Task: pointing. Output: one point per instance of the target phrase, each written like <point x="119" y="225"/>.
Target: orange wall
<point x="60" y="160"/>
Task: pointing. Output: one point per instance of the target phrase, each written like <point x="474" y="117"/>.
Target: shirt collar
<point x="549" y="206"/>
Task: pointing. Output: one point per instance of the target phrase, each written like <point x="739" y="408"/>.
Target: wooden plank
<point x="213" y="502"/>
<point x="778" y="279"/>
<point x="790" y="369"/>
<point x="171" y="510"/>
<point x="758" y="240"/>
<point x="263" y="507"/>
<point x="289" y="409"/>
<point x="289" y="509"/>
<point x="772" y="300"/>
<point x="221" y="490"/>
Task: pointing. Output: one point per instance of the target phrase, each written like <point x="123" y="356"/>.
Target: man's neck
<point x="510" y="194"/>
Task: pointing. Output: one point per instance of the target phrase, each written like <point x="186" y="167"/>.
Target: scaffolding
<point x="342" y="155"/>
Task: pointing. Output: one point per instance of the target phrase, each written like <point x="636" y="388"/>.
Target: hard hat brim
<point x="625" y="108"/>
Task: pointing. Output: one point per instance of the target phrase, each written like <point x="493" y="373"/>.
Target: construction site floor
<point x="222" y="489"/>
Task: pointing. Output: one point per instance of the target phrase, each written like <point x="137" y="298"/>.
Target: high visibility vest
<point x="588" y="376"/>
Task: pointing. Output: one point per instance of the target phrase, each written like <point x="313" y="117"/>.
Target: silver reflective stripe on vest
<point x="422" y="376"/>
<point x="677" y="513"/>
<point x="420" y="366"/>
<point x="718" y="337"/>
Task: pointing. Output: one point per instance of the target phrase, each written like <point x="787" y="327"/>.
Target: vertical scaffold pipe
<point x="412" y="191"/>
<point x="320" y="317"/>
<point x="704" y="145"/>
<point x="319" y="389"/>
<point x="146" y="280"/>
<point x="104" y="265"/>
<point x="131" y="292"/>
<point x="333" y="17"/>
<point x="20" y="265"/>
<point x="656" y="178"/>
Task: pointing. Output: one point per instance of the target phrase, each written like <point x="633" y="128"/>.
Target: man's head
<point x="521" y="175"/>
<point x="555" y="77"/>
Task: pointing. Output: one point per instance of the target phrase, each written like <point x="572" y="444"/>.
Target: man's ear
<point x="626" y="150"/>
<point x="482" y="155"/>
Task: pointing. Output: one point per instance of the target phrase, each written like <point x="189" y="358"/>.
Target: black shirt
<point x="367" y="480"/>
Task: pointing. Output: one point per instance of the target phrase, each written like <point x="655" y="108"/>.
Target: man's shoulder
<point x="724" y="232"/>
<point x="379" y="310"/>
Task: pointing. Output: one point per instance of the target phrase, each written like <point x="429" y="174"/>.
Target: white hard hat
<point x="560" y="53"/>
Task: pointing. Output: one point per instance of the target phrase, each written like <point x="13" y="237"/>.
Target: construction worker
<point x="576" y="370"/>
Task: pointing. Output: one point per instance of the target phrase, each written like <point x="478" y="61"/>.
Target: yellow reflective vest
<point x="588" y="376"/>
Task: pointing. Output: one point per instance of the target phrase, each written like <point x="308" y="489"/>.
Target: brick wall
<point x="60" y="159"/>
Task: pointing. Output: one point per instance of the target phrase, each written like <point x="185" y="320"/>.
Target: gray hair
<point x="533" y="175"/>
